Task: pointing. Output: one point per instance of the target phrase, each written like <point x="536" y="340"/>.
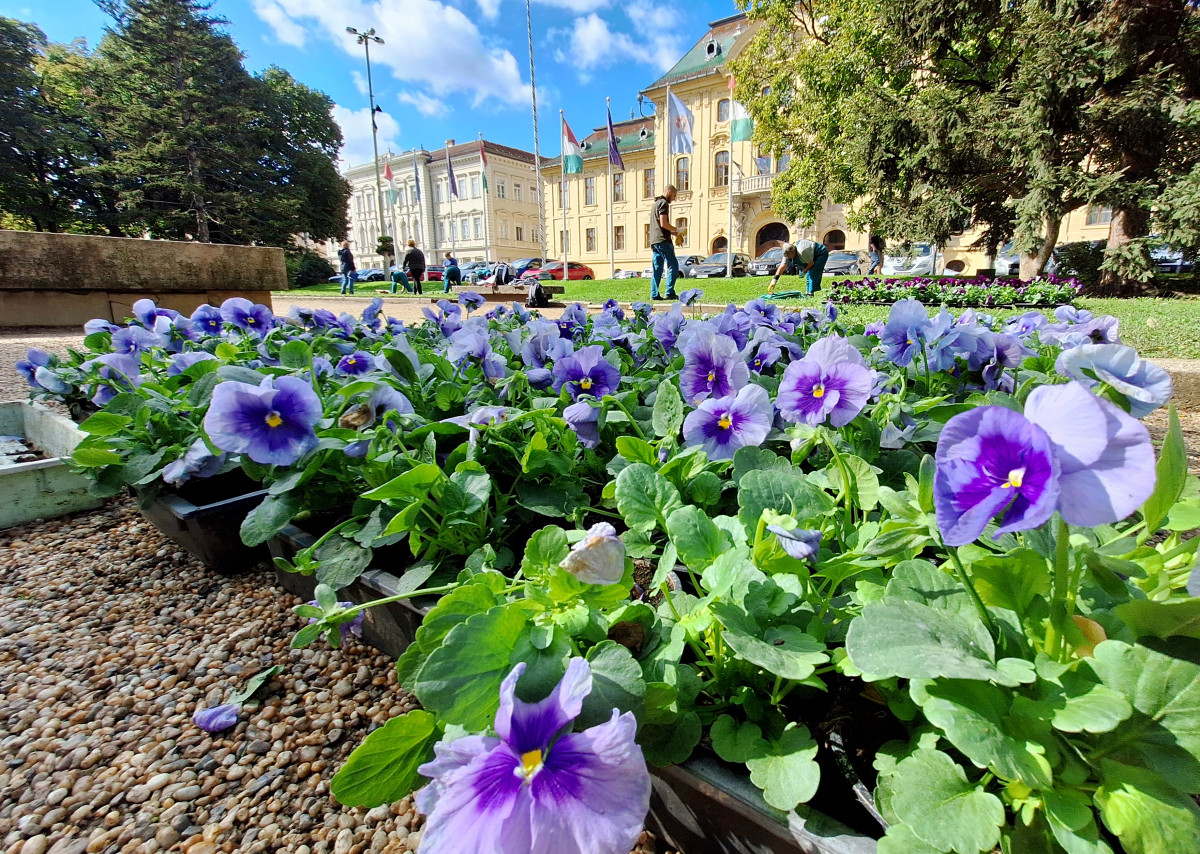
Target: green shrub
<point x="1081" y="260"/>
<point x="308" y="268"/>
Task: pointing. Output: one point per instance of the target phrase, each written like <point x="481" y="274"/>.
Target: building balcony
<point x="754" y="184"/>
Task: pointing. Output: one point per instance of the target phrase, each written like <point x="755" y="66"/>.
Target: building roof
<point x="708" y="54"/>
<point x="629" y="138"/>
<point x="489" y="147"/>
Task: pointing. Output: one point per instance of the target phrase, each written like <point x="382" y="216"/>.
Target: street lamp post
<point x="365" y="38"/>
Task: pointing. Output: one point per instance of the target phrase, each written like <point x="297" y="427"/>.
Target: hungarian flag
<point x="741" y="126"/>
<point x="483" y="160"/>
<point x="387" y="172"/>
<point x="572" y="153"/>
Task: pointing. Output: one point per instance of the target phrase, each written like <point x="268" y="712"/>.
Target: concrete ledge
<point x="55" y="308"/>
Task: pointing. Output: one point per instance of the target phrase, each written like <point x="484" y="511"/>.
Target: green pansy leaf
<point x="705" y="489"/>
<point x="383" y="769"/>
<point x="668" y="410"/>
<point x="696" y="538"/>
<point x="545" y="665"/>
<point x="1013" y="580"/>
<point x="787" y="492"/>
<point x="900" y="839"/>
<point x="295" y="354"/>
<point x="94" y="457"/>
<point x="914" y="641"/>
<point x="782" y="651"/>
<point x="342" y="561"/>
<point x="1161" y="619"/>
<point x="864" y="482"/>
<point x="451" y="610"/>
<point x="922" y="582"/>
<point x="933" y="797"/>
<point x="1170" y="475"/>
<point x="460" y="680"/>
<point x="617" y="683"/>
<point x="752" y="458"/>
<point x="737" y="742"/>
<point x="104" y="424"/>
<point x="788" y="774"/>
<point x="268" y="518"/>
<point x="1148" y="814"/>
<point x="545" y="550"/>
<point x="636" y="450"/>
<point x="414" y="483"/>
<point x="1077" y="703"/>
<point x="645" y="498"/>
<point x="670" y="744"/>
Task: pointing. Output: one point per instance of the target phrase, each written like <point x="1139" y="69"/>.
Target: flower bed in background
<point x="978" y="292"/>
<point x="936" y="554"/>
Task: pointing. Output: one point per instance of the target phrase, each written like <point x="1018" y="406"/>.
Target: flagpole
<point x="419" y="231"/>
<point x="486" y="233"/>
<point x="392" y="208"/>
<point x="564" y="192"/>
<point x="729" y="196"/>
<point x="450" y="198"/>
<point x="537" y="151"/>
<point x="612" y="256"/>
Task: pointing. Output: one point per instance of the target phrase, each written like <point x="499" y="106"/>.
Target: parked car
<point x="767" y="263"/>
<point x="1168" y="260"/>
<point x="576" y="271"/>
<point x="843" y="264"/>
<point x="714" y="265"/>
<point x="1008" y="261"/>
<point x="627" y="274"/>
<point x="522" y="264"/>
<point x="433" y="273"/>
<point x="648" y="273"/>
<point x="920" y="259"/>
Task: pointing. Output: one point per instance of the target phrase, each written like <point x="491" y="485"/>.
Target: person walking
<point x="803" y="256"/>
<point x="451" y="274"/>
<point x="349" y="273"/>
<point x="875" y="247"/>
<point x="661" y="232"/>
<point x="414" y="266"/>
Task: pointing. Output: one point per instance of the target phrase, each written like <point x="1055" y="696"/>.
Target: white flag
<point x="679" y="121"/>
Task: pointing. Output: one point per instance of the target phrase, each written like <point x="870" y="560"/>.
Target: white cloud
<point x="425" y="104"/>
<point x="591" y="44"/>
<point x="489" y="8"/>
<point x="285" y="29"/>
<point x="416" y="33"/>
<point x="356" y="131"/>
<point x="360" y="82"/>
<point x="576" y="6"/>
<point x="663" y="29"/>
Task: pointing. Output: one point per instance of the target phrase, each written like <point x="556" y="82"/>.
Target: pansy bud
<point x="217" y="718"/>
<point x="599" y="558"/>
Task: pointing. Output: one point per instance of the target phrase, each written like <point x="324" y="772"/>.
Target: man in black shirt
<point x="349" y="274"/>
<point x="661" y="246"/>
<point x="414" y="265"/>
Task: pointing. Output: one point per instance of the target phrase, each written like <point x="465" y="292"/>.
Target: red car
<point x="553" y="270"/>
<point x="433" y="273"/>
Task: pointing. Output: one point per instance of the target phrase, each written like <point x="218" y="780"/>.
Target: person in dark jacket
<point x="451" y="274"/>
<point x="414" y="265"/>
<point x="349" y="273"/>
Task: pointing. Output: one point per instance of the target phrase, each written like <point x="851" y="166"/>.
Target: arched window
<point x="722" y="170"/>
<point x="683" y="174"/>
<point x="723" y="110"/>
<point x="835" y="240"/>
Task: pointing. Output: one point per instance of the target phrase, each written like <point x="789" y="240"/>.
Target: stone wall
<point x="67" y="279"/>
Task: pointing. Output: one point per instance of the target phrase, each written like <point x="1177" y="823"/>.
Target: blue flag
<point x="450" y="169"/>
<point x="614" y="156"/>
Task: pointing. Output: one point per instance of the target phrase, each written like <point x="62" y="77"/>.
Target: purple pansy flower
<point x="586" y="372"/>
<point x="904" y="333"/>
<point x="538" y="788"/>
<point x="690" y="295"/>
<point x="599" y="558"/>
<point x="1069" y="451"/>
<point x="180" y="362"/>
<point x="1144" y="384"/>
<point x="199" y="461"/>
<point x="356" y="364"/>
<point x="34" y="359"/>
<point x="217" y="718"/>
<point x="802" y="544"/>
<point x="470" y="300"/>
<point x="248" y="316"/>
<point x="370" y="314"/>
<point x="712" y="367"/>
<point x="208" y="319"/>
<point x="831" y="382"/>
<point x="99" y="324"/>
<point x="722" y="425"/>
<point x="584" y="419"/>
<point x="572" y="320"/>
<point x="134" y="339"/>
<point x="539" y="378"/>
<point x="667" y="326"/>
<point x="272" y="423"/>
<point x="611" y="306"/>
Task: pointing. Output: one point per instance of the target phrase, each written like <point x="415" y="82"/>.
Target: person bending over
<point x="805" y="257"/>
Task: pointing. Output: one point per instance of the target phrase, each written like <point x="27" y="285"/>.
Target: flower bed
<point x="936" y="555"/>
<point x="979" y="292"/>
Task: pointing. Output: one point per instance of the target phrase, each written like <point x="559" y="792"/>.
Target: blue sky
<point x="449" y="68"/>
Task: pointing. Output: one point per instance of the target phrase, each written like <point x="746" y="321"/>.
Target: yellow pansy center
<point x="585" y="383"/>
<point x="726" y="422"/>
<point x="1015" y="477"/>
<point x="712" y="375"/>
<point x="819" y="390"/>
<point x="274" y="420"/>
<point x="530" y="762"/>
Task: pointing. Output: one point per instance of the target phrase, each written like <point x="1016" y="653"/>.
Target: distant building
<point x="501" y="224"/>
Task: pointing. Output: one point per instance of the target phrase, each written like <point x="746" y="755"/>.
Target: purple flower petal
<point x="722" y="425"/>
<point x="217" y="718"/>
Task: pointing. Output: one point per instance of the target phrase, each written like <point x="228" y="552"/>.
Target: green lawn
<point x="1163" y="328"/>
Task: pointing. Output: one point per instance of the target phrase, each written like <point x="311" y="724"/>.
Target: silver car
<point x="843" y="264"/>
<point x="767" y="263"/>
<point x="920" y="259"/>
<point x="687" y="265"/>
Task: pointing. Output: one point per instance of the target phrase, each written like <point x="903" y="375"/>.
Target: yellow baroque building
<point x="577" y="215"/>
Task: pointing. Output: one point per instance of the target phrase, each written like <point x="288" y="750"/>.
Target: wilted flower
<point x="272" y="423"/>
<point x="586" y="372"/>
<point x="539" y="378"/>
<point x="353" y="627"/>
<point x="599" y="558"/>
<point x="539" y="787"/>
<point x="199" y="461"/>
<point x="722" y="425"/>
<point x="1144" y="384"/>
<point x="1070" y="451"/>
<point x="217" y="718"/>
<point x="802" y="544"/>
<point x="712" y="367"/>
<point x="831" y="382"/>
<point x="584" y="419"/>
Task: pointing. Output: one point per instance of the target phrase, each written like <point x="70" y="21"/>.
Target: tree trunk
<point x="1127" y="224"/>
<point x="1033" y="265"/>
<point x="198" y="202"/>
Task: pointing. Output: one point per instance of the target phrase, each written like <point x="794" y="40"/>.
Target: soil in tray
<point x="15" y="450"/>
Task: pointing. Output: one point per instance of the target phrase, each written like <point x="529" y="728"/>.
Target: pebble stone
<point x="110" y="638"/>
